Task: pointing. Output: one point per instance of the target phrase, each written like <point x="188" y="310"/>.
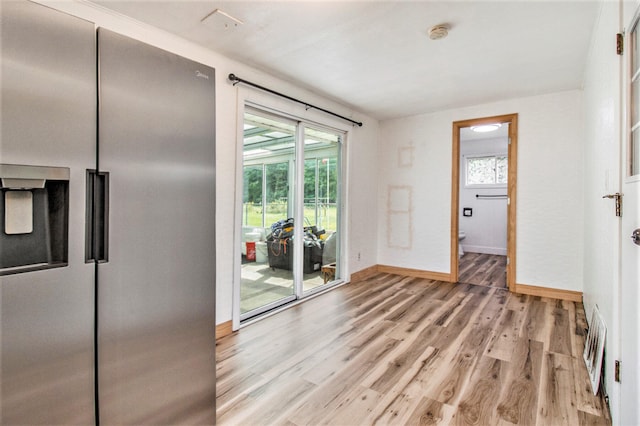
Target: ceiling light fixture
<point x="484" y="128"/>
<point x="438" y="32"/>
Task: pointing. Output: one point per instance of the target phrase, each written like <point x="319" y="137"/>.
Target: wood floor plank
<point x="519" y="399"/>
<point x="483" y="269"/>
<point x="584" y="396"/>
<point x="587" y="419"/>
<point x="457" y="330"/>
<point x="519" y="302"/>
<point x="355" y="406"/>
<point x="329" y="394"/>
<point x="477" y="406"/>
<point x="557" y="396"/>
<point x="332" y="359"/>
<point x="539" y="324"/>
<point x="402" y="361"/>
<point x="509" y="329"/>
<point x="560" y="339"/>
<point x="422" y="315"/>
<point x="228" y="389"/>
<point x="578" y="328"/>
<point x="430" y="412"/>
<point x="394" y="350"/>
<point x="437" y="312"/>
<point x="401" y="399"/>
<point x="448" y="385"/>
<point x="269" y="410"/>
<point x="447" y="316"/>
<point x="448" y="305"/>
<point x="380" y="310"/>
<point x="414" y="303"/>
<point x="502" y="342"/>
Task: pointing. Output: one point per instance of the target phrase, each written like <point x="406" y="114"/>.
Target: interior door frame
<point x="512" y="121"/>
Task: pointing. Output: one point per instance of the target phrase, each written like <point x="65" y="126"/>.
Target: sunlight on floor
<point x="262" y="285"/>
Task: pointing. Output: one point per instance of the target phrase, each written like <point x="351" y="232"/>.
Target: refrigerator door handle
<point x="97" y="217"/>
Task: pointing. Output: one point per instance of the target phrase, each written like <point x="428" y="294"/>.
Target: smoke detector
<point x="438" y="32"/>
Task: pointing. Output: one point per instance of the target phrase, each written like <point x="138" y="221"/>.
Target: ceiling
<point x="376" y="56"/>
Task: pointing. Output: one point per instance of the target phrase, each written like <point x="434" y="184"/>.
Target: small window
<point x="487" y="170"/>
<point x="633" y="148"/>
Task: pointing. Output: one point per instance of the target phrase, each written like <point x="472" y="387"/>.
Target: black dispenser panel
<point x="34" y="212"/>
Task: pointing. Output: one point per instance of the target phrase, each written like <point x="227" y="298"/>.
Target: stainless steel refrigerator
<point x="107" y="249"/>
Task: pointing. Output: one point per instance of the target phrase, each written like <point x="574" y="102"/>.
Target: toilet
<point x="461" y="236"/>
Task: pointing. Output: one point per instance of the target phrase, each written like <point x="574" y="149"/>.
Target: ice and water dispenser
<point x="34" y="209"/>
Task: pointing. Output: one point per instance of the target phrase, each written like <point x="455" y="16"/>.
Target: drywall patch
<point x="399" y="217"/>
<point x="399" y="200"/>
<point x="405" y="157"/>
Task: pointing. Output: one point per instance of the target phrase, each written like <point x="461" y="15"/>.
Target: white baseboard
<point x="485" y="250"/>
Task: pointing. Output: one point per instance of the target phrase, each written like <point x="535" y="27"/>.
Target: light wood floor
<point x="398" y="350"/>
<point x="483" y="269"/>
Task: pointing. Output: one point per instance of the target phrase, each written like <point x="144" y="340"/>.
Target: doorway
<point x="484" y="176"/>
<point x="291" y="176"/>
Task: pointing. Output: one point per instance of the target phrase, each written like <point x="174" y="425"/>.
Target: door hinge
<point x="507" y="260"/>
<point x="618" y="197"/>
<point x="619" y="43"/>
<point x="509" y="141"/>
<point x="616" y="374"/>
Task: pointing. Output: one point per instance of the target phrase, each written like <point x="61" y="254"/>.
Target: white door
<point x="630" y="251"/>
<point x="630" y="295"/>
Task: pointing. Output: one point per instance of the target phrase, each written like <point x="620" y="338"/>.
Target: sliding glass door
<point x="321" y="204"/>
<point x="268" y="158"/>
<point x="277" y="213"/>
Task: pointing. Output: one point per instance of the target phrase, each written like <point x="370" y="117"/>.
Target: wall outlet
<point x="358" y="256"/>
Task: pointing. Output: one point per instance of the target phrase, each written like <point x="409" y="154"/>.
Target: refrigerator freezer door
<point x="156" y="297"/>
<point x="48" y="118"/>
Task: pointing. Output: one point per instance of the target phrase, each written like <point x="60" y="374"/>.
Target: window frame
<point x="495" y="156"/>
<point x="633" y="108"/>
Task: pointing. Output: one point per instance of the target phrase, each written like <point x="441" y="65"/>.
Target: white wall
<point x="362" y="216"/>
<point x="486" y="229"/>
<point x="549" y="206"/>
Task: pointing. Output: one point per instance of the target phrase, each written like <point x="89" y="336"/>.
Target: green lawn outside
<point x="252" y="215"/>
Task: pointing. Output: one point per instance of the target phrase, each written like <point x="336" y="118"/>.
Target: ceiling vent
<point x="222" y="19"/>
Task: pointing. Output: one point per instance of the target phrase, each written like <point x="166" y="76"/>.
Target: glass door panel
<point x="267" y="253"/>
<point x="633" y="150"/>
<point x="321" y="208"/>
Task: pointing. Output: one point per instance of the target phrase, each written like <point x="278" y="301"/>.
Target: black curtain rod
<point x="235" y="79"/>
